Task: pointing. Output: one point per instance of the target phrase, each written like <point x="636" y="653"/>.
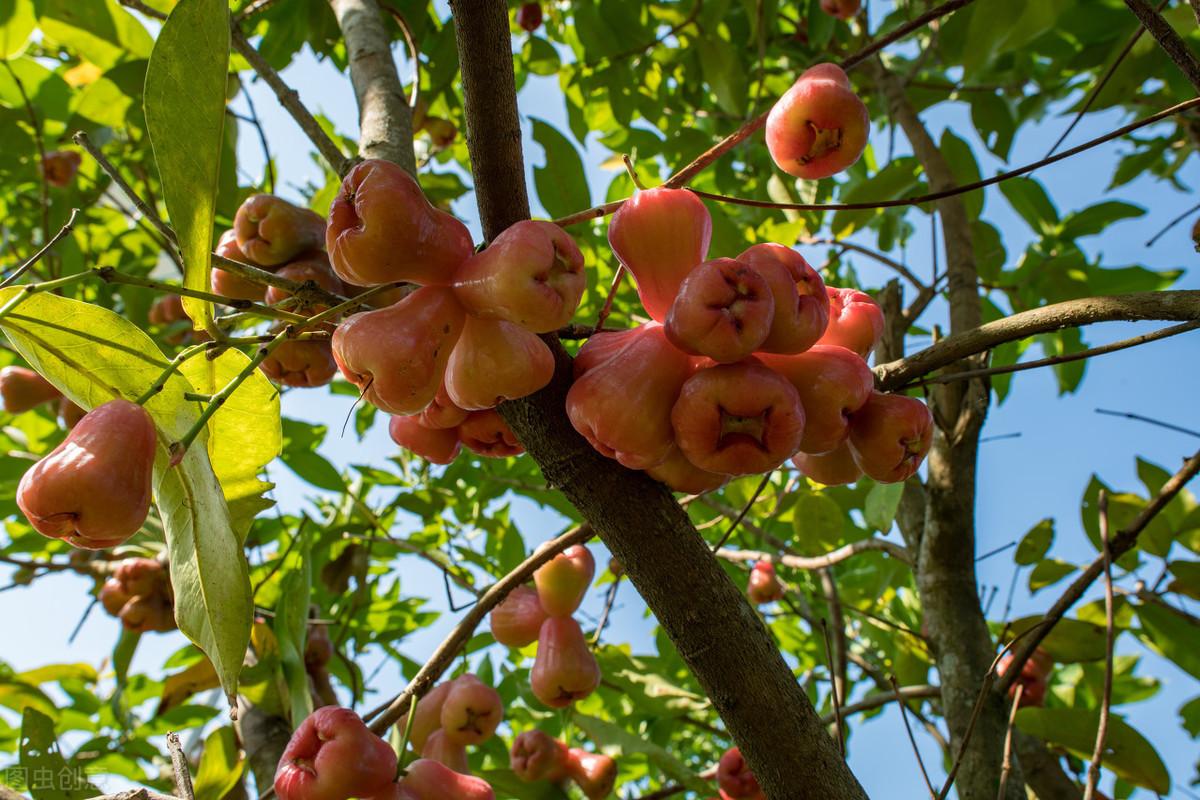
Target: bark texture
<point x="717" y="633"/>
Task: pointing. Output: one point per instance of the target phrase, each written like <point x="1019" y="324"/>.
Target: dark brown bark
<point x="946" y="552"/>
<point x="1168" y="39"/>
<point x="718" y="634"/>
<point x="1043" y="770"/>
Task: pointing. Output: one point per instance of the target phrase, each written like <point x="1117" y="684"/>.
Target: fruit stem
<point x="111" y="275"/>
<point x="166" y="374"/>
<point x="633" y="176"/>
<point x="408" y="726"/>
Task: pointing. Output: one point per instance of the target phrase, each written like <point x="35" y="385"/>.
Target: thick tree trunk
<point x="946" y="554"/>
<point x="719" y="636"/>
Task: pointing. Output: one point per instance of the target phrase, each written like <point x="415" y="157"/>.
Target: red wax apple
<point x="166" y="309"/>
<point x="564" y="580"/>
<point x="397" y="355"/>
<point x="724" y="310"/>
<point x="300" y="362"/>
<point x="764" y="585"/>
<point x="842" y="9"/>
<point x="93" y="490"/>
<point x="308" y="267"/>
<point x="230" y="284"/>
<point x="599" y="348"/>
<point x="623" y="406"/>
<point x="436" y="445"/>
<point x="271" y="231"/>
<point x="139" y="593"/>
<point x="684" y="476"/>
<point x="660" y="235"/>
<point x="382" y="229"/>
<point x="426" y="779"/>
<point x="819" y="127"/>
<point x="438" y="747"/>
<point x="855" y="321"/>
<point x="442" y="413"/>
<point x="529" y="16"/>
<point x="518" y="619"/>
<point x="472" y="711"/>
<point x="69" y="414"/>
<point x="486" y="433"/>
<point x="428" y="716"/>
<point x="835" y="468"/>
<point x="734" y="776"/>
<point x="738" y="419"/>
<point x="22" y="389"/>
<point x="494" y="361"/>
<point x="59" y="167"/>
<point x="833" y="383"/>
<point x="531" y="275"/>
<point x="537" y="756"/>
<point x="801" y="303"/>
<point x="594" y="773"/>
<point x="564" y="669"/>
<point x="890" y="435"/>
<point x="1034" y="677"/>
<point x="333" y="756"/>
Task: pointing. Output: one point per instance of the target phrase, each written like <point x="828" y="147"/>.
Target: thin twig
<point x="912" y="739"/>
<point x="1151" y="420"/>
<point x="36" y="124"/>
<point x="820" y="562"/>
<point x="179" y="765"/>
<point x="606" y="309"/>
<point x="609" y="600"/>
<point x="413" y="52"/>
<point x="833" y="691"/>
<point x="143" y="208"/>
<point x="21" y="270"/>
<point x="1169" y="40"/>
<point x="1006" y="768"/>
<point x="1153" y="239"/>
<point x="887" y="261"/>
<point x="745" y="510"/>
<point x="262" y="137"/>
<point x="1093" y="773"/>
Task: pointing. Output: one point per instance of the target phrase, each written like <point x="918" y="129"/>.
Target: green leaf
<point x="1187" y="578"/>
<point x="1036" y="543"/>
<point x="506" y="784"/>
<point x="819" y="523"/>
<point x="1128" y="754"/>
<point x="41" y="757"/>
<point x="561" y="183"/>
<point x="1094" y="219"/>
<point x="1030" y="200"/>
<point x="17" y="21"/>
<point x="540" y="57"/>
<point x="723" y="72"/>
<point x="98" y="30"/>
<point x="244" y="435"/>
<point x="1070" y="641"/>
<point x="93" y="355"/>
<point x="221" y="765"/>
<point x="291" y="625"/>
<point x="881" y="504"/>
<point x="1189" y="714"/>
<point x="1172" y="634"/>
<point x="607" y="734"/>
<point x="185" y="115"/>
<point x="1049" y="572"/>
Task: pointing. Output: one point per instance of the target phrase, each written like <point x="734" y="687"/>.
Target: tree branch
<point x="1181" y="305"/>
<point x="384" y="116"/>
<point x="741" y="671"/>
<point x="1168" y="39"/>
<point x="820" y="562"/>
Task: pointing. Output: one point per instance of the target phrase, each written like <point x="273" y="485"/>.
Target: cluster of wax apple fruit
<point x="22" y="389"/>
<point x="564" y="669"/>
<point x="445" y="356"/>
<point x="735" y="781"/>
<point x="1033" y="679"/>
<point x="333" y="755"/>
<point x="139" y="594"/>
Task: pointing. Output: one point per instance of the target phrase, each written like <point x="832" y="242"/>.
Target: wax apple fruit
<point x="594" y="773"/>
<point x="442" y="413"/>
<point x="494" y="361"/>
<point x="436" y="445"/>
<point x="684" y="476"/>
<point x="426" y="779"/>
<point x="734" y="776"/>
<point x="564" y="580"/>
<point x="518" y="619"/>
<point x="397" y="355"/>
<point x="738" y="419"/>
<point x="486" y="433"/>
<point x="660" y="235"/>
<point x="835" y="468"/>
<point x="471" y="712"/>
<point x="1033" y="679"/>
<point x="428" y="716"/>
<point x="529" y="16"/>
<point x="59" y="167"/>
<point x="69" y="414"/>
<point x="333" y="756"/>
<point x="442" y="132"/>
<point x="819" y="127"/>
<point x="382" y="229"/>
<point x="272" y="231"/>
<point x="531" y="275"/>
<point x="565" y="669"/>
<point x="230" y="284"/>
<point x="300" y="362"/>
<point x="623" y="406"/>
<point x="832" y="383"/>
<point x="599" y="348"/>
<point x="309" y="267"/>
<point x="890" y="435"/>
<point x="842" y="9"/>
<point x="438" y="747"/>
<point x="801" y="303"/>
<point x="139" y="594"/>
<point x="22" y="389"/>
<point x="537" y="756"/>
<point x="723" y="310"/>
<point x="93" y="490"/>
<point x="166" y="309"/>
<point x="855" y="321"/>
<point x="764" y="585"/>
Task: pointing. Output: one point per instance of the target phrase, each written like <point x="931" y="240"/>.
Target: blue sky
<point x="1042" y="473"/>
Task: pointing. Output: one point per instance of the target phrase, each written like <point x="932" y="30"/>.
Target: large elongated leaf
<point x="606" y="733"/>
<point x="1128" y="754"/>
<point x="561" y="183"/>
<point x="99" y="30"/>
<point x="185" y="115"/>
<point x="1172" y="634"/>
<point x="291" y="623"/>
<point x="94" y="355"/>
<point x="17" y="20"/>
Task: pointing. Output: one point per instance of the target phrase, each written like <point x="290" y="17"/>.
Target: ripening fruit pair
<point x="1034" y="678"/>
<point x="94" y="489"/>
<point x="464" y="710"/>
<point x="537" y="756"/>
<point x="139" y="594"/>
<point x="432" y="436"/>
